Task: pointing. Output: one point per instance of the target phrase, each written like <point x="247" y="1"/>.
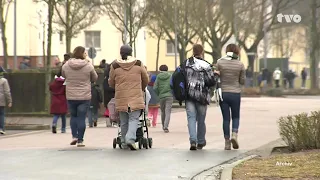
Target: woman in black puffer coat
<point x="108" y="91"/>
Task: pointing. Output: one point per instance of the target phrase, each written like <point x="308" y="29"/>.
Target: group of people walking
<point x="128" y="82"/>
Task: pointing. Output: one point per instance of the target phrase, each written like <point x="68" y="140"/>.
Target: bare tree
<point x="177" y="16"/>
<point x="4" y="10"/>
<point x="215" y="29"/>
<point x="76" y="15"/>
<point x="128" y="16"/>
<point x="253" y="19"/>
<point x="314" y="43"/>
<point x="286" y="40"/>
<point x="157" y="32"/>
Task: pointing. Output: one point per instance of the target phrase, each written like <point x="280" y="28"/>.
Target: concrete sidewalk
<point x="49" y="156"/>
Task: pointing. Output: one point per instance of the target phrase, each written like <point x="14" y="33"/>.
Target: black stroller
<point x="143" y="142"/>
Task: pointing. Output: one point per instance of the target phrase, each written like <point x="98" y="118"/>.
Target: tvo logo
<point x="289" y="18"/>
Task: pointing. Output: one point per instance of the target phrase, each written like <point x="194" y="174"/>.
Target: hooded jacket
<point x="5" y="95"/>
<point x="129" y="78"/>
<point x="162" y="85"/>
<point x="79" y="74"/>
<point x="58" y="96"/>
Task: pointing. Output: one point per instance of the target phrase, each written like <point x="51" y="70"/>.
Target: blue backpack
<point x="178" y="84"/>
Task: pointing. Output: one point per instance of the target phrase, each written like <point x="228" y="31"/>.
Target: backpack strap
<point x="138" y="63"/>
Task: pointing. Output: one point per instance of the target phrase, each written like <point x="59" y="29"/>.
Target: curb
<point x="23" y="134"/>
<point x="226" y="173"/>
<point x="29" y="127"/>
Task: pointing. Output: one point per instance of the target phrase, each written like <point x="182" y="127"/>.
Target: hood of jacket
<point x="77" y="64"/>
<point x="127" y="64"/>
<point x="198" y="64"/>
<point x="164" y="75"/>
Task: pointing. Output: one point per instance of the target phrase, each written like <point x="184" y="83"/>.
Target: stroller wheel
<point x="140" y="142"/>
<point x="114" y="143"/>
<point x="145" y="143"/>
<point x="150" y="142"/>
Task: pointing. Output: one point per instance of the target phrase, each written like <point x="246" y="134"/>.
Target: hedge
<point x="28" y="90"/>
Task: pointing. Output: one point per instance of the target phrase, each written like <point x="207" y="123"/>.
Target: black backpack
<point x="178" y="83"/>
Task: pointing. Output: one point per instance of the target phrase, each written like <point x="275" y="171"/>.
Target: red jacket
<point x="58" y="97"/>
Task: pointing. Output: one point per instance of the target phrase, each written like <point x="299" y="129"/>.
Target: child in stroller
<point x="145" y="142"/>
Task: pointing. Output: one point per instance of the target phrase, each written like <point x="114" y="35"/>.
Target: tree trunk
<point x="48" y="61"/>
<point x="68" y="43"/>
<point x="158" y="52"/>
<point x="4" y="44"/>
<point x="314" y="47"/>
<point x="44" y="42"/>
<point x="134" y="48"/>
<point x="251" y="58"/>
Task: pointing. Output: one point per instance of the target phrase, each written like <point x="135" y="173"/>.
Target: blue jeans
<point x="63" y="121"/>
<point x="78" y="111"/>
<point x="92" y="115"/>
<point x="231" y="101"/>
<point x="129" y="123"/>
<point x="196" y="114"/>
<point x="2" y="118"/>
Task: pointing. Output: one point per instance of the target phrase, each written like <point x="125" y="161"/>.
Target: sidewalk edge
<point x="23" y="134"/>
<point x="226" y="173"/>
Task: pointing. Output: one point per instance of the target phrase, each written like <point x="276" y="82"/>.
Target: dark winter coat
<point x="58" y="97"/>
<point x="108" y="91"/>
<point x="96" y="96"/>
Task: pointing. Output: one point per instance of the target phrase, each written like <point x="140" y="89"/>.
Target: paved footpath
<point x="49" y="156"/>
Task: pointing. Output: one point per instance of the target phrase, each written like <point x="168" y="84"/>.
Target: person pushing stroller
<point x="131" y="78"/>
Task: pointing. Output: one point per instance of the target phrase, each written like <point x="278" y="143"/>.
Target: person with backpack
<point x="59" y="107"/>
<point x="96" y="100"/>
<point x="130" y="78"/>
<point x="232" y="75"/>
<point x="5" y="100"/>
<point x="163" y="90"/>
<point x="192" y="82"/>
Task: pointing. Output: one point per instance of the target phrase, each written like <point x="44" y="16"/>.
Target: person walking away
<point x="163" y="91"/>
<point x="232" y="75"/>
<point x="277" y="77"/>
<point x="96" y="100"/>
<point x="58" y="107"/>
<point x="154" y="102"/>
<point x="130" y="78"/>
<point x="102" y="64"/>
<point x="249" y="77"/>
<point x="79" y="73"/>
<point x="109" y="93"/>
<point x="304" y="75"/>
<point x="5" y="100"/>
<point x="199" y="79"/>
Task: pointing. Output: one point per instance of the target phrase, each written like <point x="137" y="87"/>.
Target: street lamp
<point x="15" y="60"/>
<point x="176" y="36"/>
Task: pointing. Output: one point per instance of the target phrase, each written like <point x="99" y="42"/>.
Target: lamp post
<point x="176" y="36"/>
<point x="15" y="60"/>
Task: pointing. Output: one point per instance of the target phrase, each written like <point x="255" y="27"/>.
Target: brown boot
<point x="227" y="144"/>
<point x="234" y="141"/>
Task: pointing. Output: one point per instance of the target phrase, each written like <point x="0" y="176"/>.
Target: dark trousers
<point x="231" y="103"/>
<point x="2" y="121"/>
<point x="78" y="111"/>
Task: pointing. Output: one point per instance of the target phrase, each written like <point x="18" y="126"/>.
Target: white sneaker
<point x="2" y="132"/>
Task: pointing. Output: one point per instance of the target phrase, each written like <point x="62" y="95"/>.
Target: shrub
<point x="301" y="132"/>
<point x="276" y="92"/>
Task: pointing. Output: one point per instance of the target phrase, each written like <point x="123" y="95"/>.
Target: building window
<point x="170" y="48"/>
<point x="93" y="39"/>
